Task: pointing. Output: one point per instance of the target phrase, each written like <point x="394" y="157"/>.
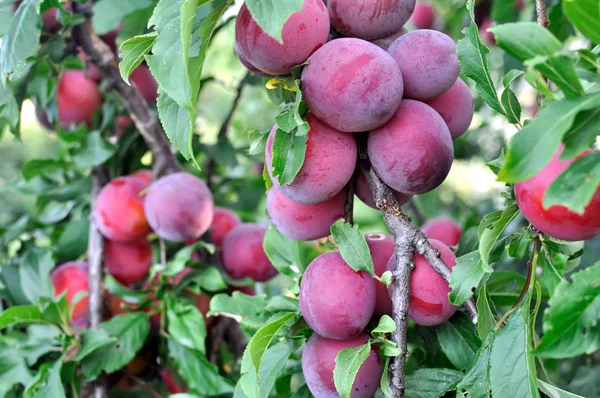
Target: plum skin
<point x="382" y="248"/>
<point x="557" y="221"/>
<point x="179" y="207"/>
<point x="145" y="82"/>
<point x="302" y="34"/>
<point x="304" y="222"/>
<point x="336" y="301"/>
<point x="352" y="85"/>
<point x="72" y="278"/>
<point x="224" y="220"/>
<point x="456" y="107"/>
<point x="78" y="98"/>
<point x="444" y="229"/>
<point x="243" y="254"/>
<point x="328" y="165"/>
<point x="423" y="17"/>
<point x="429" y="304"/>
<point x="119" y="210"/>
<point x="413" y="152"/>
<point x="318" y="363"/>
<point x="128" y="262"/>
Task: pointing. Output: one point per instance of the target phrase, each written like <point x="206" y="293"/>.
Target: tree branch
<point x="100" y="54"/>
<point x="542" y="13"/>
<point x="349" y="205"/>
<point x="415" y="212"/>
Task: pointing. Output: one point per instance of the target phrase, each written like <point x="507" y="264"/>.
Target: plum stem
<point x="408" y="240"/>
<point x="349" y="204"/>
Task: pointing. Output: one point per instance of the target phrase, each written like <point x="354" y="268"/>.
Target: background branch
<point x="349" y="205"/>
<point x="542" y="13"/>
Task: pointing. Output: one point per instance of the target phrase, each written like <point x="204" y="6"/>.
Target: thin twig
<point x="349" y="205"/>
<point x="542" y="13"/>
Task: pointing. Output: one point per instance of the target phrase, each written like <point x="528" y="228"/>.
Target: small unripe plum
<point x="144" y="175"/>
<point x="557" y="221"/>
<point x="179" y="207"/>
<point x="72" y="278"/>
<point x="456" y="107"/>
<point x="304" y="222"/>
<point x="352" y="85"/>
<point x="444" y="229"/>
<point x="487" y="36"/>
<point x="336" y="301"/>
<point x="318" y="363"/>
<point x="387" y="41"/>
<point x="78" y="98"/>
<point x="302" y="34"/>
<point x="328" y="165"/>
<point x="369" y="19"/>
<point x="382" y="248"/>
<point x="223" y="222"/>
<point x="423" y="17"/>
<point x="413" y="152"/>
<point x="429" y="304"/>
<point x="145" y="82"/>
<point x="244" y="256"/>
<point x="363" y="192"/>
<point x="119" y="211"/>
<point x="428" y="61"/>
<point x="128" y="262"/>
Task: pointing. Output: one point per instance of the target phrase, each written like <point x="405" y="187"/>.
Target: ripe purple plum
<point x="145" y="82"/>
<point x="128" y="262"/>
<point x="444" y="229"/>
<point x="328" y="165"/>
<point x="243" y="254"/>
<point x="487" y="36"/>
<point x="352" y="85"/>
<point x="336" y="301"/>
<point x="78" y="98"/>
<point x="369" y="19"/>
<point x="428" y="61"/>
<point x="179" y="207"/>
<point x="304" y="222"/>
<point x="456" y="107"/>
<point x="423" y="17"/>
<point x="318" y="363"/>
<point x="223" y="222"/>
<point x="387" y="41"/>
<point x="382" y="248"/>
<point x="429" y="304"/>
<point x="557" y="221"/>
<point x="364" y="193"/>
<point x="303" y="33"/>
<point x="244" y="61"/>
<point x="72" y="278"/>
<point x="119" y="211"/>
<point x="413" y="152"/>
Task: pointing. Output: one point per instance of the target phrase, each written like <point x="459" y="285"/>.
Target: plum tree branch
<point x="415" y="212"/>
<point x="349" y="205"/>
<point x="100" y="54"/>
<point x="542" y="13"/>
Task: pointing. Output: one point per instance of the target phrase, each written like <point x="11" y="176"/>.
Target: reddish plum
<point x="128" y="262"/>
<point x="144" y="175"/>
<point x="382" y="248"/>
<point x="78" y="98"/>
<point x="223" y="222"/>
<point x="456" y="107"/>
<point x="423" y="17"/>
<point x="145" y="82"/>
<point x="243" y="254"/>
<point x="72" y="278"/>
<point x="487" y="36"/>
<point x="444" y="229"/>
<point x="387" y="41"/>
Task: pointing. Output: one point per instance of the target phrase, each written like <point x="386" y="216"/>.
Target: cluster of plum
<point x="178" y="208"/>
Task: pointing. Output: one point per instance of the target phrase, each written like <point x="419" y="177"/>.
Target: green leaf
<point x="186" y="325"/>
<point x="39" y="166"/>
<point x="47" y="383"/>
<point x="54" y="212"/>
<point x="386" y="278"/>
<point x="177" y="124"/>
<point x="490" y="235"/>
<point x="477" y="380"/>
<point x="575" y="187"/>
<point x="21" y="41"/>
<point x="133" y="51"/>
<point x="263" y="337"/>
<point x="347" y="364"/>
<point x="34" y="274"/>
<point x="582" y="135"/>
<point x="272" y="365"/>
<point x="486" y="320"/>
<point x="431" y="383"/>
<point x="10" y="111"/>
<point x="458" y="340"/>
<point x="518" y="247"/>
<point x="585" y="15"/>
<point x="283" y="252"/>
<point x="19" y="315"/>
<point x="389" y="349"/>
<point x="465" y="277"/>
<point x="73" y="240"/>
<point x="386" y="325"/>
<point x="586" y="382"/>
<point x="236" y="304"/>
<point x="289" y="150"/>
<point x="472" y="56"/>
<point x="352" y="246"/>
<point x="271" y="15"/>
<point x="511" y="105"/>
<point x="211" y="280"/>
<point x="560" y="69"/>
<point x="95" y="151"/>
<point x="384" y="384"/>
<point x="555" y="392"/>
<point x="92" y="341"/>
<point x="570" y="321"/>
<point x="511" y="76"/>
<point x="109" y="13"/>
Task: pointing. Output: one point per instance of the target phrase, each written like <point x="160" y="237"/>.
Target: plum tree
<point x="363" y="192"/>
<point x="243" y="254"/>
<point x="429" y="304"/>
<point x="145" y="82"/>
<point x="423" y="17"/>
<point x="318" y="363"/>
<point x="369" y="19"/>
<point x="444" y="229"/>
<point x="179" y="207"/>
<point x="119" y="211"/>
<point x="303" y="33"/>
<point x="382" y="248"/>
<point x="304" y="222"/>
<point x="328" y="165"/>
<point x="224" y="220"/>
<point x="413" y="152"/>
<point x="78" y="98"/>
<point x="128" y="262"/>
<point x="428" y="61"/>
<point x="456" y="107"/>
<point x="72" y="279"/>
<point x="352" y="85"/>
<point x="557" y="221"/>
<point x="336" y="301"/>
<point x="387" y="41"/>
